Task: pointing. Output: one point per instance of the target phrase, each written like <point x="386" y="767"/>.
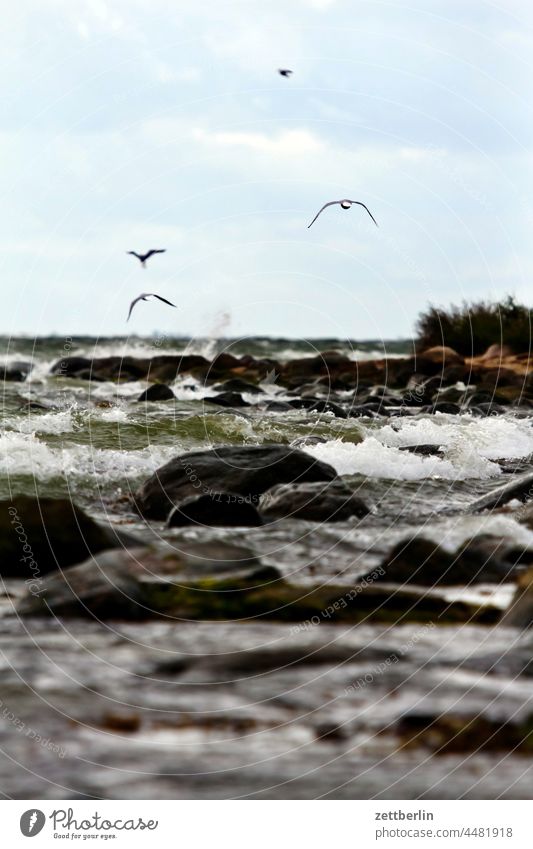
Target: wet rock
<point x="524" y="514"/>
<point x="324" y="364"/>
<point x="246" y="470"/>
<point x="520" y="487"/>
<point x="215" y="509"/>
<point x="467" y="733"/>
<point x="162" y="368"/>
<point x="143" y="582"/>
<point x="16" y="371"/>
<point x="237" y="384"/>
<point x="370" y="410"/>
<point x="71" y="366"/>
<point x="319" y="406"/>
<point x="165" y="367"/>
<point x="442" y="356"/>
<point x="420" y="561"/>
<point x="423" y="450"/>
<point x="227" y="399"/>
<point x="195" y="582"/>
<point x="39" y="535"/>
<point x="315" y="502"/>
<point x="32" y="406"/>
<point x="519" y="614"/>
<point x="278" y="407"/>
<point x="451" y="394"/>
<point x="157" y="392"/>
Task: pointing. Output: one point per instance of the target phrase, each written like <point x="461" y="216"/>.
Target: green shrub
<point x="472" y="327"/>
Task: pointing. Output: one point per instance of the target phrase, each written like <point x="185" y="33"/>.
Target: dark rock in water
<point x="520" y="487"/>
<point x="157" y="392"/>
<point x="316" y="502"/>
<point x="39" y="535"/>
<point x="245" y="470"/>
<point x="485" y="400"/>
<point x="217" y="582"/>
<point x="486" y="408"/>
<point x="15" y="371"/>
<point x="319" y="406"/>
<point x="223" y="362"/>
<point x="325" y="364"/>
<point x="32" y="406"/>
<point x="369" y="410"/>
<point x="215" y="509"/>
<point x="162" y="368"/>
<point x="519" y="614"/>
<point x="467" y="733"/>
<point x="70" y="366"/>
<point x="237" y="384"/>
<point x="524" y="514"/>
<point x="278" y="407"/>
<point x="227" y="399"/>
<point x="144" y="582"/>
<point x="423" y="450"/>
<point x="166" y="367"/>
<point x="422" y="562"/>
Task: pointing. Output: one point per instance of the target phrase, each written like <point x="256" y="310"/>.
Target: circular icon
<point x="32" y="822"/>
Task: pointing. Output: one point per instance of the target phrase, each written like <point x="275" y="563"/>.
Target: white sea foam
<point x="493" y="438"/>
<point x="52" y="423"/>
<point x="114" y="414"/>
<point x="26" y="454"/>
<point x="374" y="459"/>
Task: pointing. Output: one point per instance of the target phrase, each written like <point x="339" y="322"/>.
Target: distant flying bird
<point x="144" y="297"/>
<point x="285" y="72"/>
<point x="346" y="204"/>
<point x="143" y="257"/>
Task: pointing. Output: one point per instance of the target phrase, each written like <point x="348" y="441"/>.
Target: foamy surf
<point x="25" y="454"/>
<point x="494" y="438"/>
<point x="374" y="459"/>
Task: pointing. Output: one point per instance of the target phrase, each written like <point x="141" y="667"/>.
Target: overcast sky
<point x="132" y="124"/>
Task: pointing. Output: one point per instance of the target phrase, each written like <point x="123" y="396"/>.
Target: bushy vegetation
<point x="472" y="327"/>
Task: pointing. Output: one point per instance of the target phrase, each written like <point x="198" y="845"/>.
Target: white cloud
<point x="284" y="143"/>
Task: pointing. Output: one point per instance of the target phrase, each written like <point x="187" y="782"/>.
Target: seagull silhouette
<point x="144" y="297"/>
<point x="346" y="204"/>
<point x="285" y="72"/>
<point x="143" y="257"/>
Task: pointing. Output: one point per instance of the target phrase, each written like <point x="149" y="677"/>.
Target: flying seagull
<point x="144" y="297"/>
<point x="143" y="257"/>
<point x="346" y="204"/>
<point x="285" y="72"/>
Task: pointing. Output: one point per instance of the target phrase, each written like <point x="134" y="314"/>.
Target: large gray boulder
<point x="40" y="535"/>
<point x="245" y="470"/>
<point x="317" y="502"/>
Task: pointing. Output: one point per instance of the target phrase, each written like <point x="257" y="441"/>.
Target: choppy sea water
<point x="250" y="713"/>
<point x="95" y="443"/>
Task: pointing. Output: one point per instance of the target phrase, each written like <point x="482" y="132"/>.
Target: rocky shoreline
<point x="124" y="640"/>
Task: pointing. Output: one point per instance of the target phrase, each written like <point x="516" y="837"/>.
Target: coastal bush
<point x="472" y="327"/>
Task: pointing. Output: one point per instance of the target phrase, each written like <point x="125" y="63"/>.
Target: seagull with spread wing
<point x="346" y="204"/>
<point x="285" y="72"/>
<point x="143" y="257"/>
<point x="144" y="297"/>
